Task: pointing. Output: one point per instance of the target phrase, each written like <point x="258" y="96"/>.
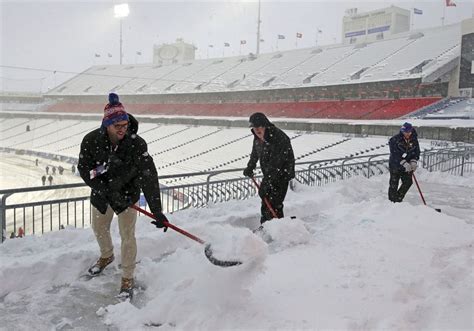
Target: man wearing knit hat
<point x="404" y="156"/>
<point x="272" y="147"/>
<point x="115" y="163"/>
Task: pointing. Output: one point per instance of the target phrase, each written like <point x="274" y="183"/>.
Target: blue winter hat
<point x="406" y="127"/>
<point x="113" y="99"/>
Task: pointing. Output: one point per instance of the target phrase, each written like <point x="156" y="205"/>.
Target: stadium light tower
<point x="121" y="11"/>
<point x="258" y="29"/>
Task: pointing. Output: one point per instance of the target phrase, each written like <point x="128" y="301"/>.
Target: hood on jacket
<point x="414" y="135"/>
<point x="259" y="120"/>
<point x="132" y="124"/>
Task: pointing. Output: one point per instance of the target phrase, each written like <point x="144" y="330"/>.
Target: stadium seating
<point x="341" y="81"/>
<point x="398" y="108"/>
<point x="404" y="56"/>
<point x="331" y="109"/>
<point x="448" y="108"/>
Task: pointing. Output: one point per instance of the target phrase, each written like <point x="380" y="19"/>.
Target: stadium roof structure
<point x="425" y="54"/>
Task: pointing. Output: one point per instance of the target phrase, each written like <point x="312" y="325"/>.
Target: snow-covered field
<point x="350" y="260"/>
<point x="18" y="171"/>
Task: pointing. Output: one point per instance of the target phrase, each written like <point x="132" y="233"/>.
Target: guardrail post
<point x="342" y="168"/>
<point x="208" y="186"/>
<point x="369" y="161"/>
<point x="426" y="161"/>
<point x="3" y="217"/>
<point x="310" y="168"/>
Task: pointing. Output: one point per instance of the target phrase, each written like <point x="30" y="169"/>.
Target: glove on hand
<point x="248" y="172"/>
<point x="414" y="165"/>
<point x="160" y="220"/>
<point x="406" y="165"/>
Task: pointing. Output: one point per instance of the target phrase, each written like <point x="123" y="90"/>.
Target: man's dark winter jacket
<point x="129" y="169"/>
<point x="275" y="153"/>
<point x="401" y="149"/>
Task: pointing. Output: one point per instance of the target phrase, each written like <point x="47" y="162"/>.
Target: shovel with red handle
<point x="421" y="194"/>
<point x="207" y="248"/>
<point x="265" y="200"/>
<point x="267" y="203"/>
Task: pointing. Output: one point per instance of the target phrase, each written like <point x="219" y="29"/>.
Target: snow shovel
<point x="265" y="200"/>
<point x="421" y="194"/>
<point x="207" y="248"/>
<point x="267" y="203"/>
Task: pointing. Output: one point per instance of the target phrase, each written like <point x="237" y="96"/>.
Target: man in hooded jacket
<point x="404" y="156"/>
<point x="272" y="147"/>
<point x="115" y="163"/>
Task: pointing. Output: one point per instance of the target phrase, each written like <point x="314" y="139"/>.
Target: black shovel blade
<point x="438" y="210"/>
<point x="217" y="262"/>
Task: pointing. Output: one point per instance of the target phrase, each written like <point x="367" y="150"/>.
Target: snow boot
<point x="126" y="290"/>
<point x="100" y="265"/>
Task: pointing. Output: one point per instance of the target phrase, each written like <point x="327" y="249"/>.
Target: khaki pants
<point x="126" y="220"/>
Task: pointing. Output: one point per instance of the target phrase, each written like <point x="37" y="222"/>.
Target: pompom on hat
<point x="406" y="127"/>
<point x="113" y="98"/>
<point x="114" y="111"/>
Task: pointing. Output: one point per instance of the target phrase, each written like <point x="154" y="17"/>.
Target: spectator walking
<point x="50" y="180"/>
<point x="47" y="170"/>
<point x="43" y="179"/>
<point x="115" y="163"/>
<point x="60" y="170"/>
<point x="73" y="169"/>
<point x="54" y="170"/>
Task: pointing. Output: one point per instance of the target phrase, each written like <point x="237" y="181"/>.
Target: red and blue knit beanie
<point x="114" y="111"/>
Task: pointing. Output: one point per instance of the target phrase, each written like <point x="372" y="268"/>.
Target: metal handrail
<point x="199" y="194"/>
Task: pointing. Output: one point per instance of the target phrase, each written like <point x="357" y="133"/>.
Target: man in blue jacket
<point x="404" y="156"/>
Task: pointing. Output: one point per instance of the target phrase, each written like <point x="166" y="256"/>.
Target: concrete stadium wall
<point x="427" y="132"/>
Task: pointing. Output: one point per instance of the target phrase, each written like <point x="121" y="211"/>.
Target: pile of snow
<point x="349" y="260"/>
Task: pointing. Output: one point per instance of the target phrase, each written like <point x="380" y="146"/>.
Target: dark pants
<point x="396" y="194"/>
<point x="275" y="194"/>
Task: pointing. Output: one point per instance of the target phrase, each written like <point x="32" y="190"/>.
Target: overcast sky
<point x="65" y="35"/>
